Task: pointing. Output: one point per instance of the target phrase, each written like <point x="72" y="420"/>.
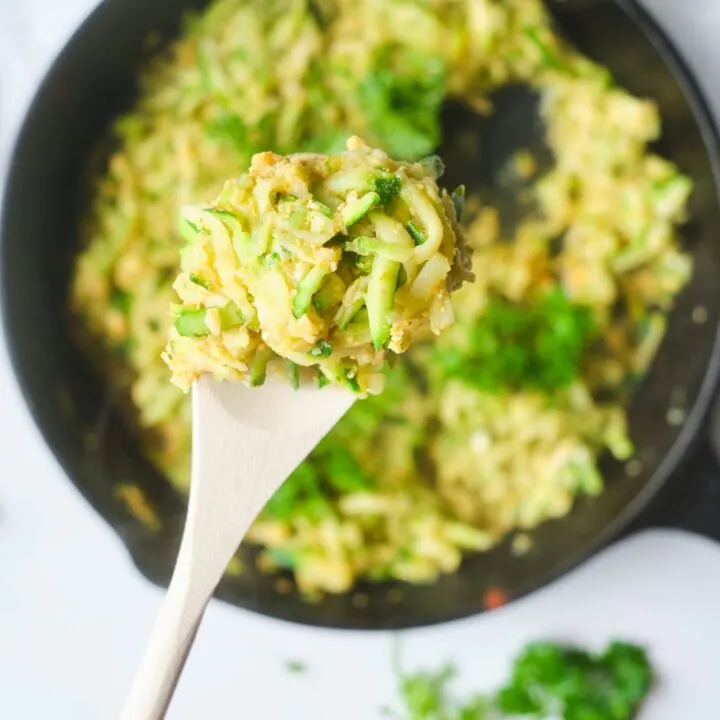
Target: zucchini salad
<point x="483" y="432"/>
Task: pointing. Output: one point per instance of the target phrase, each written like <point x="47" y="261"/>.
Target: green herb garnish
<point x="609" y="686"/>
<point x="548" y="681"/>
<point x="538" y="346"/>
<point x="387" y="187"/>
<point x="401" y="98"/>
<point x="230" y="129"/>
<point x="322" y="349"/>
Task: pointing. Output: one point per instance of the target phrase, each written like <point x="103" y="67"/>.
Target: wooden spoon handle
<point x="170" y="642"/>
<point x="245" y="443"/>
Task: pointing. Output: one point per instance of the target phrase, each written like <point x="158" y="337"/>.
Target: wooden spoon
<point x="246" y="442"/>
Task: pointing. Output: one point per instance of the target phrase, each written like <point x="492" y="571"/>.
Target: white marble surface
<point x="68" y="646"/>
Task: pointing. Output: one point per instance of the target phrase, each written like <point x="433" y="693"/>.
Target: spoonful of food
<point x="296" y="287"/>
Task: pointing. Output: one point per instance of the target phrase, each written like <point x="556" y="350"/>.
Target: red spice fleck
<point x="494" y="598"/>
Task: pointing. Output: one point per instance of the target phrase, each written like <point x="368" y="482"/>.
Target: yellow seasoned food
<point x="314" y="266"/>
<point x="500" y="423"/>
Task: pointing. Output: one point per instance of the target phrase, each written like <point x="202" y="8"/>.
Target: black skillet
<point x="93" y="80"/>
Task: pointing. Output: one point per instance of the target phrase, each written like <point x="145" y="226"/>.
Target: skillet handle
<point x="691" y="501"/>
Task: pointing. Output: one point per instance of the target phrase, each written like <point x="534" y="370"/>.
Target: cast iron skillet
<point x="93" y="80"/>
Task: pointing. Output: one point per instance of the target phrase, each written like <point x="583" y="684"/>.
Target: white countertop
<point x="74" y="613"/>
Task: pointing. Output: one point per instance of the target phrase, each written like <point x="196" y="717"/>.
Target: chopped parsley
<point x="609" y="686"/>
<point x="322" y="349"/>
<point x="229" y="128"/>
<point x="387" y="187"/>
<point x="547" y="681"/>
<point x="537" y="346"/>
<point x="401" y="98"/>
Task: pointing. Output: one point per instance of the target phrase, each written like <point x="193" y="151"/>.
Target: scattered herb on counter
<point x="296" y="666"/>
<point x="548" y="681"/>
<point x="608" y="686"/>
<point x="426" y="697"/>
